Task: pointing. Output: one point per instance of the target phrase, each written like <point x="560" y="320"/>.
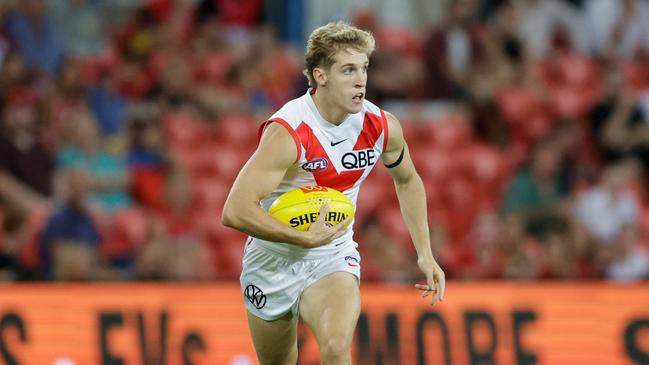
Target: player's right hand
<point x="320" y="233"/>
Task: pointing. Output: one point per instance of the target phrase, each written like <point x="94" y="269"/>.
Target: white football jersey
<point x="336" y="156"/>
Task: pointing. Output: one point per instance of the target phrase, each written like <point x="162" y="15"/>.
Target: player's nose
<point x="361" y="81"/>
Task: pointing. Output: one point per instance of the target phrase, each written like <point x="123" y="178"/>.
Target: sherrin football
<point x="299" y="208"/>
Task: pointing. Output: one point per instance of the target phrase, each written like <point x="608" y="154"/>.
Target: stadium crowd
<point x="124" y="123"/>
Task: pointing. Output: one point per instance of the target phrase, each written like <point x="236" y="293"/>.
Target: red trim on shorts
<point x="281" y="121"/>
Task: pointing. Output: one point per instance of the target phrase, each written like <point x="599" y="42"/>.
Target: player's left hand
<point x="435" y="280"/>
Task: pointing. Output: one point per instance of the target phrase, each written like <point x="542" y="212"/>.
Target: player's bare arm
<point x="412" y="200"/>
<point x="259" y="177"/>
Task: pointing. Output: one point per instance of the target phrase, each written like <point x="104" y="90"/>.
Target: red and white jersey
<point x="337" y="156"/>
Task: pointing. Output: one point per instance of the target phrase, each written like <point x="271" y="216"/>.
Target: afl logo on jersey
<point x="316" y="165"/>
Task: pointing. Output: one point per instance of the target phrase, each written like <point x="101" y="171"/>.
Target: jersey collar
<point x="314" y="109"/>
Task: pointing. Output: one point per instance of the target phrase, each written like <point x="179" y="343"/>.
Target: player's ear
<point x="320" y="76"/>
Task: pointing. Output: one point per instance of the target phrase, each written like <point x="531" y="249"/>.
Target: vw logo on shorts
<point x="255" y="296"/>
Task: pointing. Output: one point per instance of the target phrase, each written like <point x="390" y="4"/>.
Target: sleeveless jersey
<point x="336" y="156"/>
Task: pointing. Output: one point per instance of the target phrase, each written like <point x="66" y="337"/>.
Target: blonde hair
<point x="327" y="40"/>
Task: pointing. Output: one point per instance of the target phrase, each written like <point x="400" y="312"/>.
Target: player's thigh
<point x="331" y="306"/>
<point x="275" y="341"/>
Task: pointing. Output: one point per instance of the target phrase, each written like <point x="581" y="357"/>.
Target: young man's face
<point x="346" y="80"/>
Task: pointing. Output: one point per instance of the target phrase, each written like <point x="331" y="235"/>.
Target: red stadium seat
<point x="525" y="113"/>
<point x="434" y="163"/>
<point x="450" y="131"/>
<point x="188" y="158"/>
<point x="181" y="129"/>
<point x="487" y="167"/>
<point x="402" y="40"/>
<point x="133" y="222"/>
<point x="211" y="192"/>
<point x="392" y="221"/>
<point x="574" y="84"/>
<point x="228" y="161"/>
<point x="369" y="200"/>
<point x="412" y="132"/>
<point x="127" y="231"/>
<point x="573" y="103"/>
<point x="636" y="75"/>
<point x="516" y="104"/>
<point x="238" y="131"/>
<point x="212" y="160"/>
<point x="227" y="244"/>
<point x="147" y="185"/>
<point x="212" y="67"/>
<point x="433" y="193"/>
<point x="230" y="251"/>
<point x="578" y="72"/>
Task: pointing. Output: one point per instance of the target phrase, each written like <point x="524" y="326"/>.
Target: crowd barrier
<point x="177" y="324"/>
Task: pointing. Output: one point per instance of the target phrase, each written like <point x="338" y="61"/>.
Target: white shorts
<point x="272" y="283"/>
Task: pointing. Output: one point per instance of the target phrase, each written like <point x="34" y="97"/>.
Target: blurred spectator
<point x="619" y="122"/>
<point x="502" y="56"/>
<point x="146" y="147"/>
<point x="109" y="106"/>
<point x="213" y="57"/>
<point x="68" y="247"/>
<point x="279" y="68"/>
<point x="174" y="85"/>
<point x="390" y="260"/>
<point x="153" y="256"/>
<point x="397" y="68"/>
<point x="575" y="168"/>
<point x="81" y="25"/>
<point x="36" y="37"/>
<point x="525" y="261"/>
<point x="66" y="98"/>
<point x="147" y="161"/>
<point x="560" y="262"/>
<point x="17" y="235"/>
<point x="107" y="173"/>
<point x="618" y="28"/>
<point x="5" y="42"/>
<point x="630" y="261"/>
<point x="607" y="208"/>
<point x="175" y="249"/>
<point x="15" y="73"/>
<point x="178" y="207"/>
<point x="546" y="25"/>
<point x="161" y="258"/>
<point x="585" y="249"/>
<point x="483" y="248"/>
<point x="536" y="191"/>
<point x="452" y="51"/>
<point x="25" y="165"/>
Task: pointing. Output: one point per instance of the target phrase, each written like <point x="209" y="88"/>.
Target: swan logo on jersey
<point x="352" y="261"/>
<point x="359" y="159"/>
<point x="318" y="164"/>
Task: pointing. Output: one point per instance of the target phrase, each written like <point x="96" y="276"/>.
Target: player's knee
<point x="279" y="359"/>
<point x="335" y="347"/>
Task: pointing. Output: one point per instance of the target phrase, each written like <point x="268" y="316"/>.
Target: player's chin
<point x="355" y="107"/>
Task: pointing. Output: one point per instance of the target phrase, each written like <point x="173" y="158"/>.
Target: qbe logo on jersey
<point x="361" y="159"/>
